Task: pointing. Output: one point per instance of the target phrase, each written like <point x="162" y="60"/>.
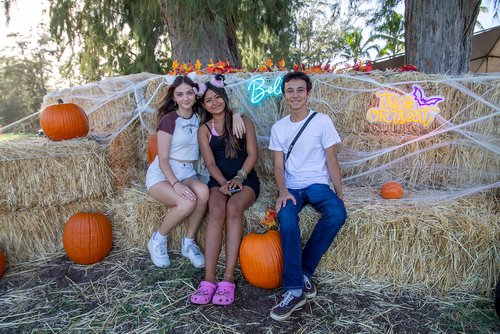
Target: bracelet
<point x="243" y="173"/>
<point x="175" y="183"/>
<point x="238" y="177"/>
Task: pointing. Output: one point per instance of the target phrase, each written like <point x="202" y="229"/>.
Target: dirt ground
<point x="125" y="293"/>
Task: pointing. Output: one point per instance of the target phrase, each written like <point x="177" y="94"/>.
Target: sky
<point x="25" y="16"/>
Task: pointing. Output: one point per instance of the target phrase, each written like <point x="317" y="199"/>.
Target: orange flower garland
<point x="224" y="67"/>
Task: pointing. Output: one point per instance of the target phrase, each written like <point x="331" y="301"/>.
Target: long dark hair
<point x="168" y="104"/>
<point x="232" y="143"/>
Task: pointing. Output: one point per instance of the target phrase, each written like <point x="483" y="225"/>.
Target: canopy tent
<point x="485" y="57"/>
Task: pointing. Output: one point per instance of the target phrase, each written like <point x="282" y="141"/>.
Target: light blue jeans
<point x="298" y="261"/>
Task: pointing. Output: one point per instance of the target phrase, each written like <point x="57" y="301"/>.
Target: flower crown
<point x="217" y="81"/>
<point x="199" y="89"/>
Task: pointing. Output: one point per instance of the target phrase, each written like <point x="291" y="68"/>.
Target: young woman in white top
<point x="171" y="178"/>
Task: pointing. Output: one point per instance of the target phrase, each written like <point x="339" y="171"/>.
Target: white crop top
<point x="184" y="133"/>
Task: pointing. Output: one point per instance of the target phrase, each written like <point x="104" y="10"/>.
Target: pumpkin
<point x="64" y="121"/>
<point x="391" y="190"/>
<point x="2" y="263"/>
<point x="87" y="237"/>
<point x="152" y="148"/>
<point x="261" y="259"/>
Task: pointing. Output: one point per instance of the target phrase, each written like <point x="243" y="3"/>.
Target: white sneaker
<point x="193" y="253"/>
<point x="158" y="251"/>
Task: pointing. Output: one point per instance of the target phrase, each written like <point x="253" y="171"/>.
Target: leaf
<point x="281" y="63"/>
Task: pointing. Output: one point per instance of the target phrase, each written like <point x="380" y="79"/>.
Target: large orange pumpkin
<point x="391" y="190"/>
<point x="152" y="148"/>
<point x="64" y="121"/>
<point x="2" y="263"/>
<point x="261" y="259"/>
<point x="87" y="237"/>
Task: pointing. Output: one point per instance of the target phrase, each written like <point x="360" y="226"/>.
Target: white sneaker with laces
<point x="193" y="253"/>
<point x="158" y="251"/>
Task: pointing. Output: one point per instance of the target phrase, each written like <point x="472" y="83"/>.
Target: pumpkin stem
<point x="60" y="101"/>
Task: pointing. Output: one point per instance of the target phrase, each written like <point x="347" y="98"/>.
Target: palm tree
<point x="354" y="47"/>
<point x="392" y="31"/>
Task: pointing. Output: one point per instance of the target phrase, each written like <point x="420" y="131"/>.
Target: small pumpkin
<point x="2" y="263"/>
<point x="152" y="147"/>
<point x="391" y="190"/>
<point x="261" y="259"/>
<point x="87" y="237"/>
<point x="64" y="121"/>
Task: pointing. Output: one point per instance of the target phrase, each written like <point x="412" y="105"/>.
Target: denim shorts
<point x="182" y="171"/>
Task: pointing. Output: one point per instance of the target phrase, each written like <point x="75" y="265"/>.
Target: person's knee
<point x="233" y="211"/>
<point x="186" y="206"/>
<point x="202" y="193"/>
<point x="336" y="214"/>
<point x="287" y="212"/>
<point x="217" y="213"/>
<point x="288" y="221"/>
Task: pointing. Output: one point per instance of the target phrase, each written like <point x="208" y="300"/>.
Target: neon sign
<point x="394" y="108"/>
<point x="259" y="90"/>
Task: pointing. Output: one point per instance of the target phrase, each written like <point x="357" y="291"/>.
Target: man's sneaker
<point x="309" y="288"/>
<point x="288" y="304"/>
<point x="193" y="253"/>
<point x="158" y="251"/>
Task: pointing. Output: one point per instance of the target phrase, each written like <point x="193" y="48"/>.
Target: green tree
<point x="318" y="33"/>
<point x="108" y="37"/>
<point x="354" y="46"/>
<point x="392" y="32"/>
<point x="128" y="36"/>
<point x="23" y="80"/>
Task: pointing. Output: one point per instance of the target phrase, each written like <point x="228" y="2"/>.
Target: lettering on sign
<point x="394" y="108"/>
<point x="260" y="88"/>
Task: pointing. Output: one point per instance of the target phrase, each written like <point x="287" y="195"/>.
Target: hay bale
<point x="111" y="104"/>
<point x="442" y="162"/>
<point x="442" y="246"/>
<point x="452" y="245"/>
<point x="347" y="98"/>
<point x="30" y="233"/>
<point x="127" y="156"/>
<point x="458" y="150"/>
<point x="137" y="215"/>
<point x="42" y="172"/>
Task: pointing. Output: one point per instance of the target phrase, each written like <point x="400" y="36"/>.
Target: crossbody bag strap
<point x="298" y="135"/>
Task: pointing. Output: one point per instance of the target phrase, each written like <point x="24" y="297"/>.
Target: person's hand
<point x="283" y="198"/>
<point x="238" y="125"/>
<point x="236" y="182"/>
<point x="225" y="189"/>
<point x="184" y="191"/>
